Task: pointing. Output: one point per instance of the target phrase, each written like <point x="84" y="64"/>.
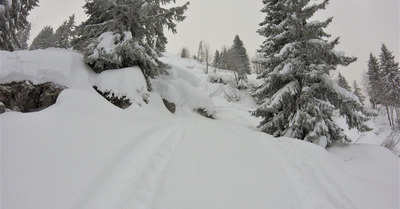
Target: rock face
<point x="169" y="105"/>
<point x="2" y="108"/>
<point x="121" y="102"/>
<point x="27" y="97"/>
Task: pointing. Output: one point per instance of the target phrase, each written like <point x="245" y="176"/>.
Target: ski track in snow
<point x="132" y="180"/>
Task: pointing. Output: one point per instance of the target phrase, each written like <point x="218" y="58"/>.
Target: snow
<point x="61" y="66"/>
<point x="128" y="82"/>
<point x="84" y="152"/>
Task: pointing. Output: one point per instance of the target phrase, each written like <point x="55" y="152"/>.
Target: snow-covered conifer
<point x="297" y="98"/>
<point x="375" y="80"/>
<point x="123" y="33"/>
<point x="240" y="54"/>
<point x="358" y="92"/>
<point x="390" y="74"/>
<point x="342" y="82"/>
<point x="216" y="59"/>
<point x="185" y="53"/>
<point x="44" y="39"/>
<point x="13" y="21"/>
<point x="64" y="33"/>
<point x="23" y="37"/>
<point x="390" y="87"/>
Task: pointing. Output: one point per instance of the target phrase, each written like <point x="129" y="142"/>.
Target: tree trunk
<point x="388" y="114"/>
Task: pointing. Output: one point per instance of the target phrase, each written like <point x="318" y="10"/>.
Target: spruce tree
<point x="13" y="20"/>
<point x="23" y="37"/>
<point x="185" y="53"/>
<point x="390" y="89"/>
<point x="342" y="82"/>
<point x="123" y="33"/>
<point x="64" y="33"/>
<point x="390" y="75"/>
<point x="241" y="57"/>
<point x="216" y="59"/>
<point x="44" y="39"/>
<point x="297" y="98"/>
<point x="357" y="91"/>
<point x="375" y="80"/>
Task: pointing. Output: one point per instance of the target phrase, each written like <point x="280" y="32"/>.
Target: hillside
<point x="84" y="152"/>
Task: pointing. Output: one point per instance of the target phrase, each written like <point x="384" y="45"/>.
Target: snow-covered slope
<point x="84" y="152"/>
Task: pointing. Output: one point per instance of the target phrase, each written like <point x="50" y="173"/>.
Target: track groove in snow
<point x="133" y="180"/>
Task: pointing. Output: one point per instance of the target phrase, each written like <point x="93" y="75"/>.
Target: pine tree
<point x="64" y="34"/>
<point x="390" y="75"/>
<point x="297" y="98"/>
<point x="240" y="54"/>
<point x="216" y="59"/>
<point x="23" y="37"/>
<point x="375" y="81"/>
<point x="123" y="33"/>
<point x="185" y="53"/>
<point x="13" y="14"/>
<point x="357" y="91"/>
<point x="44" y="39"/>
<point x="342" y="82"/>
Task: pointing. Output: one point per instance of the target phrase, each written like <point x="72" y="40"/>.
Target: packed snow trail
<point x="132" y="180"/>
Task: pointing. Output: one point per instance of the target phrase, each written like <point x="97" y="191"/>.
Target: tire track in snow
<point x="132" y="182"/>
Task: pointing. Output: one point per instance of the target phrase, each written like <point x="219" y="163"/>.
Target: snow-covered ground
<point x="84" y="152"/>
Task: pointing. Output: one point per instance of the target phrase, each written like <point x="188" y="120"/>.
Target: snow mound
<point x="182" y="88"/>
<point x="60" y="66"/>
<point x="128" y="82"/>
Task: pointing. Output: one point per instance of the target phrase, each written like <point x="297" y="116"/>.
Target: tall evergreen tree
<point x="64" y="33"/>
<point x="240" y="54"/>
<point x="357" y="91"/>
<point x="390" y="76"/>
<point x="123" y="33"/>
<point x="23" y="37"/>
<point x="342" y="82"/>
<point x="297" y="98"/>
<point x="13" y="20"/>
<point x="375" y="80"/>
<point x="44" y="39"/>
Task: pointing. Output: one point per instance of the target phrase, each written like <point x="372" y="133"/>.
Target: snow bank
<point x="60" y="66"/>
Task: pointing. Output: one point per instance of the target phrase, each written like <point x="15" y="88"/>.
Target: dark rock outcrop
<point x="204" y="113"/>
<point x="2" y="108"/>
<point x="27" y="97"/>
<point x="121" y="102"/>
<point x="169" y="105"/>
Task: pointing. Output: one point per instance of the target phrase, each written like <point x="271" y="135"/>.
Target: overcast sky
<point x="363" y="25"/>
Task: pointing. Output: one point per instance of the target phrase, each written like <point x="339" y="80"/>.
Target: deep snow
<point x="84" y="152"/>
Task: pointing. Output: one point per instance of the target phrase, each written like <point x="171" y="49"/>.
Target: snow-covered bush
<point x="220" y="78"/>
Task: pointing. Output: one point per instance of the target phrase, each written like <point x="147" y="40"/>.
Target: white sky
<point x="362" y="25"/>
